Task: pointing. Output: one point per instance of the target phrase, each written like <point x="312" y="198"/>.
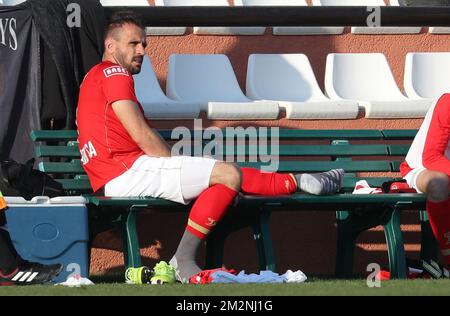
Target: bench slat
<point x="76" y="185"/>
<point x="130" y="201"/>
<point x="396" y="166"/>
<point x="75" y="167"/>
<point x="297" y="199"/>
<point x="305" y="201"/>
<point x="72" y="167"/>
<point x="399" y="134"/>
<point x="318" y="166"/>
<point x="49" y="135"/>
<point x="294" y="134"/>
<point x="83" y="183"/>
<point x="57" y="151"/>
<point x="308" y="150"/>
<point x="349" y="182"/>
<point x="398" y="150"/>
<point x="241" y="150"/>
<point x="284" y="134"/>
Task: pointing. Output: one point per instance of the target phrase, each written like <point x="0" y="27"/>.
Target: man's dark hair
<point x="120" y="18"/>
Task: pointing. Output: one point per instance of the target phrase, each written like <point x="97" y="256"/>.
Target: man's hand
<point x="148" y="140"/>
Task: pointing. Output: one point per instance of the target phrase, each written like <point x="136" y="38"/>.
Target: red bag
<point x="397" y="186"/>
<point x="400" y="187"/>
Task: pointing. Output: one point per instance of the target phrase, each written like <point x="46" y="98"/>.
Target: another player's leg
<point x="258" y="182"/>
<point x="16" y="271"/>
<point x="436" y="186"/>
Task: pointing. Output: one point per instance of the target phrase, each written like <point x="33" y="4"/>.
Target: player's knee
<point x="233" y="177"/>
<point x="437" y="188"/>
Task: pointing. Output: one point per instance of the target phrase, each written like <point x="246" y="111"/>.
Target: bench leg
<point x="396" y="251"/>
<point x="131" y="251"/>
<point x="263" y="238"/>
<point x="346" y="240"/>
<point x="429" y="248"/>
<point x="349" y="225"/>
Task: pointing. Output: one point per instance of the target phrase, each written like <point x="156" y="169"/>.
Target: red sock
<point x="439" y="216"/>
<point x="209" y="209"/>
<point x="257" y="182"/>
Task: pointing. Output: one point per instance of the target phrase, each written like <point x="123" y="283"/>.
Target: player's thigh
<point x="196" y="173"/>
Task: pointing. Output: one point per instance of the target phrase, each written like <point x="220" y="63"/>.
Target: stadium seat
<point x="289" y="80"/>
<point x="172" y="30"/>
<point x="11" y="2"/>
<point x="431" y="29"/>
<point x="369" y="30"/>
<point x="287" y="30"/>
<point x="426" y="75"/>
<point x="397" y="3"/>
<point x="439" y="30"/>
<point x="367" y="78"/>
<point x="155" y="103"/>
<point x="257" y="30"/>
<point x="204" y="30"/>
<point x="210" y="79"/>
<point x="121" y="3"/>
<point x="144" y="3"/>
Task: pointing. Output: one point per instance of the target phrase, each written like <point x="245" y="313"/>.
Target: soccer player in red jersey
<point x="427" y="169"/>
<point x="124" y="156"/>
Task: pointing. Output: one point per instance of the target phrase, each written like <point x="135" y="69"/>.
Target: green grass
<point x="314" y="287"/>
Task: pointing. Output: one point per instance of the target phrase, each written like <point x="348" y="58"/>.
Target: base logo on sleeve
<point x="115" y="70"/>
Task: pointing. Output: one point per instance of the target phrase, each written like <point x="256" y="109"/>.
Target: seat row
<point x="277" y="30"/>
<point x="353" y="82"/>
<point x="10" y="2"/>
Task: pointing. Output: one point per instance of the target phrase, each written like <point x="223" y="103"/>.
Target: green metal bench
<point x="356" y="151"/>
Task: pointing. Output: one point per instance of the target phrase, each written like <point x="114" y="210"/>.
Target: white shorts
<point x="411" y="178"/>
<point x="179" y="178"/>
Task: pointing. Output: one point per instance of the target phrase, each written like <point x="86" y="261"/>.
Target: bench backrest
<point x="374" y="155"/>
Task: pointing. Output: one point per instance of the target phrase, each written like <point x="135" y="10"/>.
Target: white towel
<point x="362" y="187"/>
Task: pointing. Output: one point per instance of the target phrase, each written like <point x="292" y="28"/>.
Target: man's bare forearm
<point x="153" y="145"/>
<point x="137" y="127"/>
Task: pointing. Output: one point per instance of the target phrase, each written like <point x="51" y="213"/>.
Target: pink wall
<point x="303" y="241"/>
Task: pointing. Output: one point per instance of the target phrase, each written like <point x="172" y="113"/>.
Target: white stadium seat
<point x="210" y="79"/>
<point x="289" y="80"/>
<point x="369" y="30"/>
<point x="290" y="30"/>
<point x="144" y="3"/>
<point x="205" y="30"/>
<point x="11" y="2"/>
<point x="121" y="3"/>
<point x="439" y="30"/>
<point x="397" y="3"/>
<point x="367" y="78"/>
<point x="155" y="103"/>
<point x="257" y="30"/>
<point x="165" y="30"/>
<point x="426" y="75"/>
<point x="432" y="30"/>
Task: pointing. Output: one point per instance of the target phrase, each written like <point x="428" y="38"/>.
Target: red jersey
<point x="107" y="150"/>
<point x="431" y="146"/>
